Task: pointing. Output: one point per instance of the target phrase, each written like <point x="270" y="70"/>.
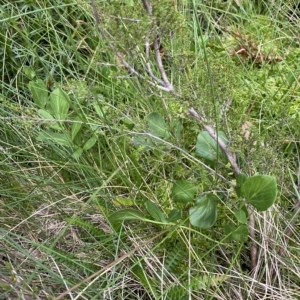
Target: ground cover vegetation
<point x="149" y="149"/>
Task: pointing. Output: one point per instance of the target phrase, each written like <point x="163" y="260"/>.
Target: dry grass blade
<point x="111" y="265"/>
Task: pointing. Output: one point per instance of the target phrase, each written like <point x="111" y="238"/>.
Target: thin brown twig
<point x="162" y="84"/>
<point x="156" y="43"/>
<point x="148" y="7"/>
<point x="147" y="50"/>
<point x="253" y="247"/>
<point x="160" y="64"/>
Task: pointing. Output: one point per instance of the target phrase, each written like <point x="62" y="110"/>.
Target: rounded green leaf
<point x="39" y="92"/>
<point x="90" y="142"/>
<point x="47" y="116"/>
<point x="207" y="148"/>
<point x="128" y="123"/>
<point x="204" y="214"/>
<point x="241" y="217"/>
<point x="240" y="179"/>
<point x="77" y="153"/>
<point x="245" y="210"/>
<point x="174" y="215"/>
<point x="183" y="191"/>
<point x="260" y="191"/>
<point x="60" y="103"/>
<point x="59" y="138"/>
<point x="76" y="126"/>
<point x="29" y="72"/>
<point x="239" y="234"/>
<point x="157" y="125"/>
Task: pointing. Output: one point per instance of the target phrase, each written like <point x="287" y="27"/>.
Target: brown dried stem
<point x="162" y="84"/>
<point x="111" y="265"/>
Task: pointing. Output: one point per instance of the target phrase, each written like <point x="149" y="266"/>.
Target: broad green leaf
<point x="29" y="72"/>
<point x="126" y="215"/>
<point x="90" y="142"/>
<point x="47" y="116"/>
<point x="260" y="191"/>
<point x="76" y="126"/>
<point x="99" y="110"/>
<point x="60" y="103"/>
<point x="59" y="138"/>
<point x="174" y="215"/>
<point x="239" y="234"/>
<point x="241" y="217"/>
<point x="77" y="153"/>
<point x="128" y="123"/>
<point x="157" y="125"/>
<point x="245" y="210"/>
<point x="39" y="92"/>
<point x="105" y="71"/>
<point x="207" y="148"/>
<point x="240" y="179"/>
<point x="155" y="212"/>
<point x="228" y="229"/>
<point x="183" y="191"/>
<point x="204" y="214"/>
<point x="119" y="201"/>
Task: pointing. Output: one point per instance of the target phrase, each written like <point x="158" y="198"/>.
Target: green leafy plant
<point x="183" y="191"/>
<point x="259" y="191"/>
<point x="54" y="109"/>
